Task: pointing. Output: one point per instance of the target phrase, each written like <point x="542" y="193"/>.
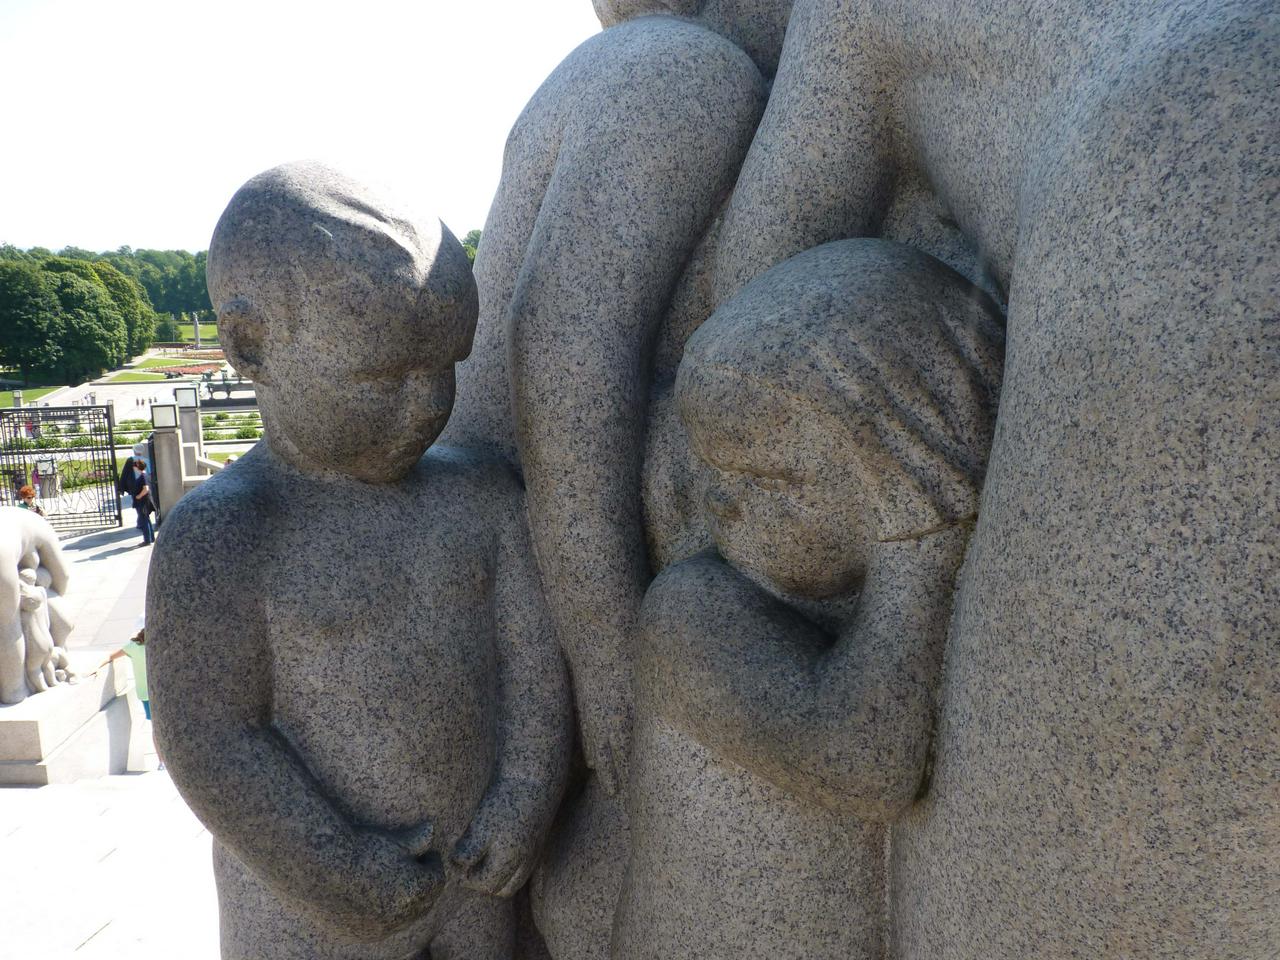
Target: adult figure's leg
<point x="1106" y="779"/>
<point x="1106" y="757"/>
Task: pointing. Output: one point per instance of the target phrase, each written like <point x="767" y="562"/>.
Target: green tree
<point x="174" y="280"/>
<point x="93" y="335"/>
<point x="77" y="253"/>
<point x="471" y="243"/>
<point x="132" y="303"/>
<point x="9" y="252"/>
<point x="167" y="329"/>
<point x="30" y="318"/>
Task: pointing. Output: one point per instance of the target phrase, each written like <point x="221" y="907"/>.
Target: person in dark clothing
<point x="141" y="492"/>
<point x="126" y="482"/>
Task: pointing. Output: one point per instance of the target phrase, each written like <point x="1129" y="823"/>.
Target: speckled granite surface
<point x="593" y="250"/>
<point x="1107" y="756"/>
<point x="357" y="689"/>
<point x="1096" y="771"/>
<point x="843" y="404"/>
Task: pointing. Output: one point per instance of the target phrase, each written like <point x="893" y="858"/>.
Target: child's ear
<point x="243" y="333"/>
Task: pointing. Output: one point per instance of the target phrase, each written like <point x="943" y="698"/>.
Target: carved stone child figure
<point x="369" y="686"/>
<point x="844" y="403"/>
<point x="33" y="626"/>
<point x="47" y="663"/>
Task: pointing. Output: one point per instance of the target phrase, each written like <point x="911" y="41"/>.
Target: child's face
<point x="780" y="500"/>
<point x="366" y="403"/>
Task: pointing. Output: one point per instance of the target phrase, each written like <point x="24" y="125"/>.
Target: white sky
<point x="133" y="121"/>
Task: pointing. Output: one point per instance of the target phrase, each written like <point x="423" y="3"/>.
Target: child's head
<point x="847" y="396"/>
<point x="349" y="317"/>
<point x="27" y="492"/>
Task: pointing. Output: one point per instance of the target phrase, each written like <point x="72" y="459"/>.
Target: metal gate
<point x="67" y="454"/>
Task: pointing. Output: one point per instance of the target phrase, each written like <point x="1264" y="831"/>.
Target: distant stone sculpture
<point x="47" y="662"/>
<point x="844" y="403"/>
<point x="33" y="574"/>
<point x="368" y="708"/>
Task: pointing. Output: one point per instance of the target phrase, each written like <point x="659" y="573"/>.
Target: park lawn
<point x="129" y="376"/>
<point x="28" y="395"/>
<point x="208" y="332"/>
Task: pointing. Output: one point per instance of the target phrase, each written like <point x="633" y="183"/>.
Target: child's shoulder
<point x="226" y="508"/>
<point x="467" y="475"/>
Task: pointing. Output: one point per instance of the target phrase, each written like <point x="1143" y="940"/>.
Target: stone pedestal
<point x="74" y="731"/>
<point x="167" y="471"/>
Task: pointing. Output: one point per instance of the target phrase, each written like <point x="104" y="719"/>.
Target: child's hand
<point x="496" y="854"/>
<point x="395" y="880"/>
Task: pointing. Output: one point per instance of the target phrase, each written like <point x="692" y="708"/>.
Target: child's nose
<point x="721" y="503"/>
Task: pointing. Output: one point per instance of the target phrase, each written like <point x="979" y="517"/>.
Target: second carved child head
<point x="846" y="397"/>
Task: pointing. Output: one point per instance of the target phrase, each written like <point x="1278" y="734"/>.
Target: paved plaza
<point x="116" y="867"/>
<point x="130" y="401"/>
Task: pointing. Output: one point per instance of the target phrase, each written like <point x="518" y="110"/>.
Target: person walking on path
<point x="141" y="491"/>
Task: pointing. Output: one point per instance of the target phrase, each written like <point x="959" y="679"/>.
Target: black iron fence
<point x="67" y="455"/>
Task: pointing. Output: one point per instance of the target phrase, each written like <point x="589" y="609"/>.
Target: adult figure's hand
<point x="22" y="533"/>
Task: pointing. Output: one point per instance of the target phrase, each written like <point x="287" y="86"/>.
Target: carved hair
<point x="900" y="354"/>
<point x="302" y="233"/>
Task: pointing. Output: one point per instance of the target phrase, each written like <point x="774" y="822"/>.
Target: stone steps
<point x="87" y="729"/>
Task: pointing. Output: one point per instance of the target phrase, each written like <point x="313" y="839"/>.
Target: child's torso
<point x="383" y="655"/>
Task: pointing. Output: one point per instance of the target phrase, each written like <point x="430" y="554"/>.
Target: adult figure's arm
<point x="649" y="152"/>
<point x="816" y="172"/>
<point x="210" y="683"/>
<point x="843" y="721"/>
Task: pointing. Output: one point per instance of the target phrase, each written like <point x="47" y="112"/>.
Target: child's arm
<point x="210" y="683"/>
<point x="498" y="851"/>
<point x="846" y="724"/>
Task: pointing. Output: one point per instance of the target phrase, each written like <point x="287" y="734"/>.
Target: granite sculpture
<point x="1084" y="763"/>
<point x="375" y="727"/>
<point x="47" y="664"/>
<point x="844" y="404"/>
<point x="637" y="137"/>
<point x="1108" y="740"/>
<point x="33" y="575"/>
